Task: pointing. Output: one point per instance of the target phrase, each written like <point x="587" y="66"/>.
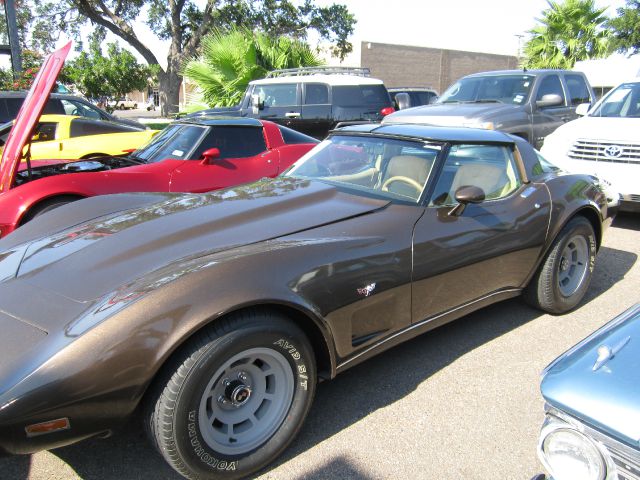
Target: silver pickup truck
<point x="528" y="103"/>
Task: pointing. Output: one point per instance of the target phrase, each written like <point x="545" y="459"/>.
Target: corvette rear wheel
<point x="564" y="276"/>
<point x="235" y="398"/>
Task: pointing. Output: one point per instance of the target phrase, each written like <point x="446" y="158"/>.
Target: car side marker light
<point x="47" y="427"/>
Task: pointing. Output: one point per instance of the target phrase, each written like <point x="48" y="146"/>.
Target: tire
<point x="121" y="107"/>
<point x="564" y="276"/>
<point x="135" y="106"/>
<point x="217" y="414"/>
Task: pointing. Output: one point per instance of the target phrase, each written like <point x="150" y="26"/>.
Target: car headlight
<point x="568" y="455"/>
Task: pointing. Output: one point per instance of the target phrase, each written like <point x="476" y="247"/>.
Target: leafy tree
<point x="185" y="22"/>
<point x="625" y="27"/>
<point x="112" y="76"/>
<point x="568" y="32"/>
<point x="229" y="61"/>
<point x="31" y="62"/>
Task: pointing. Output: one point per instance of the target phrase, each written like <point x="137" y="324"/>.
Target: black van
<point x="313" y="100"/>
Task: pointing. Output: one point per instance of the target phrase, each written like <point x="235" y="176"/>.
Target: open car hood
<point x="29" y="114"/>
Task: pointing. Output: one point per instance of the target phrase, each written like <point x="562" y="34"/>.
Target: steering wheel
<point x="399" y="178"/>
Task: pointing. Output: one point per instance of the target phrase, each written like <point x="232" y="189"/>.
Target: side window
<point x="550" y="85"/>
<point x="277" y="95"/>
<point x="72" y="107"/>
<point x="233" y="142"/>
<point x="578" y="90"/>
<point x="490" y="167"/>
<point x="81" y="127"/>
<point x="316" y="94"/>
<point x="54" y="106"/>
<point x="45" y="132"/>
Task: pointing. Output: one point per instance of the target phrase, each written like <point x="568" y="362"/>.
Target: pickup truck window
<point x="578" y="90"/>
<point x="549" y="85"/>
<point x="511" y="88"/>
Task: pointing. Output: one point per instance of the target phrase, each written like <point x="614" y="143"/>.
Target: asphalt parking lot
<point x="461" y="402"/>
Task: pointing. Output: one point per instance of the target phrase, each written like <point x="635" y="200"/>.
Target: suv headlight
<point x="477" y="124"/>
<point x="568" y="454"/>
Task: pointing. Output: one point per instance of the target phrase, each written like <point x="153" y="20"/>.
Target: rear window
<point x="81" y="127"/>
<point x="292" y="137"/>
<point x="357" y="95"/>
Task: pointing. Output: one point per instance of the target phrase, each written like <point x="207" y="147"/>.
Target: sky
<point x="488" y="26"/>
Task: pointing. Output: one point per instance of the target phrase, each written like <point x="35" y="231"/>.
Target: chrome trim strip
<point x="424" y="322"/>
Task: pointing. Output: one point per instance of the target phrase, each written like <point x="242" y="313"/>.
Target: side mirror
<point x="550" y="100"/>
<point x="403" y="100"/>
<point x="256" y="104"/>
<point x="582" y="109"/>
<point x="208" y="156"/>
<point x="465" y="195"/>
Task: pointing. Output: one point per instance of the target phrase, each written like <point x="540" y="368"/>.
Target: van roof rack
<point x="296" y="72"/>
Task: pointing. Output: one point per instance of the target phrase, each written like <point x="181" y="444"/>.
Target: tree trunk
<point x="170" y="83"/>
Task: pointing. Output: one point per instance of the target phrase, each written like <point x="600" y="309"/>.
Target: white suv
<point x="605" y="142"/>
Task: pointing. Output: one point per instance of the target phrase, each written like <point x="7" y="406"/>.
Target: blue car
<point x="592" y="394"/>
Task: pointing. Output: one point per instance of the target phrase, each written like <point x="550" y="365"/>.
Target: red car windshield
<point x="175" y="141"/>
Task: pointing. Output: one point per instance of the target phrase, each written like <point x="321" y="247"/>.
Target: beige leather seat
<point x="489" y="178"/>
<point x="409" y="167"/>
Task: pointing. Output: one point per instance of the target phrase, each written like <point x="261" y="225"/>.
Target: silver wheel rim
<point x="246" y="401"/>
<point x="573" y="265"/>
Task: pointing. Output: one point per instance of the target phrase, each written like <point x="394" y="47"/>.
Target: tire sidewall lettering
<point x="193" y="443"/>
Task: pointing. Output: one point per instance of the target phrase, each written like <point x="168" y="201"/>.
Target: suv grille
<point x="605" y="151"/>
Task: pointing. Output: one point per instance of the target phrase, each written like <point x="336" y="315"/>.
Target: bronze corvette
<point x="217" y="313"/>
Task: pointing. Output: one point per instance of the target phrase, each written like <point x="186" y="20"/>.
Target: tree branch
<point x="117" y="26"/>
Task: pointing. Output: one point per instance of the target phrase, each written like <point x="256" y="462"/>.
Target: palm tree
<point x="231" y="59"/>
<point x="568" y="32"/>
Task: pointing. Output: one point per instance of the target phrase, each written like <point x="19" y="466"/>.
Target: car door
<point x="545" y="119"/>
<point x="489" y="247"/>
<point x="279" y="102"/>
<point x="46" y="142"/>
<point x="243" y="158"/>
<point x="315" y="119"/>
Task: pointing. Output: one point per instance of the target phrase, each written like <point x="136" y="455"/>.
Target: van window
<point x="357" y="95"/>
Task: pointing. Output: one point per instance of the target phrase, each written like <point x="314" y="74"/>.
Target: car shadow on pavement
<point x="628" y="221"/>
<point x="350" y="397"/>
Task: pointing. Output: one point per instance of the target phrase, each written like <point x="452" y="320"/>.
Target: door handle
<point x="292" y="114"/>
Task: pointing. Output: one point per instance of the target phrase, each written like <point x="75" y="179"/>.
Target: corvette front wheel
<point x="564" y="276"/>
<point x="235" y="398"/>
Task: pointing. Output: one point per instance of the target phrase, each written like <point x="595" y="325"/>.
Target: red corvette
<point x="196" y="155"/>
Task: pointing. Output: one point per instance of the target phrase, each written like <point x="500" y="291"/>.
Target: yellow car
<point x="71" y="137"/>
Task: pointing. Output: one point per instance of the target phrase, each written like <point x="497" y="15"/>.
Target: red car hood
<point x="29" y="114"/>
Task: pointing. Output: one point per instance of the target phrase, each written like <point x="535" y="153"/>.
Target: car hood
<point x="600" y="128"/>
<point x="29" y="114"/>
<point x="450" y="115"/>
<point x="604" y="395"/>
<point x="101" y="255"/>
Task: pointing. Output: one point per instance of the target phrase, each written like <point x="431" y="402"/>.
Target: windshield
<point x="623" y="101"/>
<point x="513" y="89"/>
<point x="176" y="141"/>
<point x="385" y="167"/>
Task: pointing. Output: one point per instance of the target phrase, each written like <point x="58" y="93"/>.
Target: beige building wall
<point x="406" y="66"/>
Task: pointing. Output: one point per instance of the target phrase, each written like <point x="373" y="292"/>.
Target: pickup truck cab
<point x="528" y="103"/>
